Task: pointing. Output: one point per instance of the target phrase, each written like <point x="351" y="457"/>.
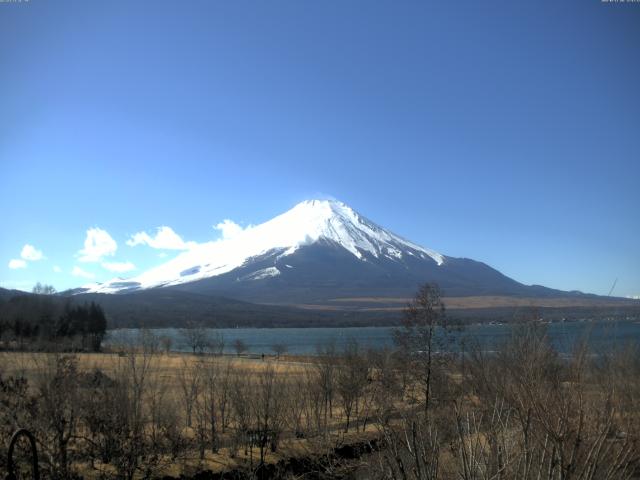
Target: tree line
<point x="42" y="320"/>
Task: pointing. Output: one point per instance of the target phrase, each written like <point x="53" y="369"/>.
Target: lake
<point x="601" y="336"/>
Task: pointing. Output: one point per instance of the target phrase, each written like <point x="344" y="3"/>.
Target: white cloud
<point x="165" y="238"/>
<point x="119" y="266"/>
<point x="16" y="263"/>
<point x="57" y="269"/>
<point x="229" y="228"/>
<point x="29" y="252"/>
<point x="98" y="244"/>
<point x="78" y="272"/>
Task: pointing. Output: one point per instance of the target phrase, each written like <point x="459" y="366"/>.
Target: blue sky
<point x="507" y="132"/>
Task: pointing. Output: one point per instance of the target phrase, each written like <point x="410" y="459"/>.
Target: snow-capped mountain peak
<point x="307" y="223"/>
<point x="335" y="221"/>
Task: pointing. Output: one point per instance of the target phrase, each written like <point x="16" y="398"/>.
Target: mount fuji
<point x="320" y="252"/>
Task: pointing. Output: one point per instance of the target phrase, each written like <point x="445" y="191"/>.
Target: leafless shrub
<point x="240" y="388"/>
<point x="351" y="379"/>
<point x="166" y="343"/>
<point x="57" y="403"/>
<point x="200" y="339"/>
<point x="546" y="417"/>
<point x="279" y="349"/>
<point x="149" y="341"/>
<point x="131" y="449"/>
<point x="412" y="450"/>
<point x="268" y="409"/>
<point x="326" y="367"/>
<point x="189" y="386"/>
<point x="211" y="403"/>
<point x="18" y="408"/>
<point x="239" y="346"/>
<point x="297" y="395"/>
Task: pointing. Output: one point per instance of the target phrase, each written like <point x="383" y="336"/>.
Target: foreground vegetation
<point x="521" y="412"/>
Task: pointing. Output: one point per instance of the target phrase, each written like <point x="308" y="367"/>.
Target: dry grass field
<point x="165" y="366"/>
<point x="487" y="301"/>
<point x="169" y="378"/>
<point x="522" y="412"/>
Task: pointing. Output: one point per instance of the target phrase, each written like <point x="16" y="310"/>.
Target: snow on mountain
<point x="305" y="224"/>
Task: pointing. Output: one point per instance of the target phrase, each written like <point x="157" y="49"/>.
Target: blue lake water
<point x="600" y="335"/>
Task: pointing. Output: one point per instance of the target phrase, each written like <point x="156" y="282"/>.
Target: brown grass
<point x="490" y="302"/>
<point x="165" y="366"/>
<point x="165" y="371"/>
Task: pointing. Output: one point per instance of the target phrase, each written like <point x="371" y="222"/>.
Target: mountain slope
<point x="308" y="223"/>
<point x="316" y="252"/>
<point x="167" y="307"/>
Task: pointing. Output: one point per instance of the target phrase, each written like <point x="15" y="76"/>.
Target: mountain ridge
<point x="169" y="307"/>
<point x="317" y="251"/>
<point x="306" y="223"/>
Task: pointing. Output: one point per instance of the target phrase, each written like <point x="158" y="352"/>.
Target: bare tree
<point x="196" y="337"/>
<point x="326" y="366"/>
<point x="546" y="417"/>
<point x="388" y="390"/>
<point x="279" y="349"/>
<point x="223" y="388"/>
<point x="18" y="408"/>
<point x="316" y="406"/>
<point x="239" y="346"/>
<point x="43" y="289"/>
<point x="418" y="336"/>
<point x="132" y="377"/>
<point x="166" y="342"/>
<point x="240" y="388"/>
<point x="216" y="343"/>
<point x="149" y="341"/>
<point x="351" y="379"/>
<point x="208" y="404"/>
<point x="297" y="395"/>
<point x="412" y="450"/>
<point x="268" y="409"/>
<point x="58" y="404"/>
<point x="189" y="383"/>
